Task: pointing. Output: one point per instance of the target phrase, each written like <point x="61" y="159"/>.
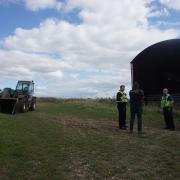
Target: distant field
<point x="81" y="140"/>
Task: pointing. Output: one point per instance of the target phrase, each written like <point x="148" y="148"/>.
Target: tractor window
<point x="22" y="87"/>
<point x="31" y="87"/>
<point x="19" y="87"/>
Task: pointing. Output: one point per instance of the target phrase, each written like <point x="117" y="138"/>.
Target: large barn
<point x="157" y="67"/>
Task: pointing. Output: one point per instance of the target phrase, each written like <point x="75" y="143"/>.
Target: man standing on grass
<point x="136" y="106"/>
<point x="122" y="100"/>
<point x="167" y="106"/>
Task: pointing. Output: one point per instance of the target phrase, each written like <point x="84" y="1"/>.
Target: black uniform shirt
<point x="136" y="97"/>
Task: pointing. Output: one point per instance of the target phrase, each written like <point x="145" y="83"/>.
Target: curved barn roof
<point x="164" y="50"/>
<point x="158" y="66"/>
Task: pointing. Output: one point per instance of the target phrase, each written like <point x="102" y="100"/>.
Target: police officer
<point x="122" y="100"/>
<point x="136" y="105"/>
<point x="167" y="106"/>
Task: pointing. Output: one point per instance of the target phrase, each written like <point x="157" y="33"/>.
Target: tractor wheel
<point x="23" y="108"/>
<point x="33" y="106"/>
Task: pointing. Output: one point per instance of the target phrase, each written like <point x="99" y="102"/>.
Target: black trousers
<point x="122" y="114"/>
<point x="168" y="118"/>
<point x="136" y="110"/>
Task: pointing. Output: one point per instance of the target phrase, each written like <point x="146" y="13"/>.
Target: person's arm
<point x="118" y="97"/>
<point x="171" y="102"/>
<point x="142" y="95"/>
<point x="127" y="98"/>
<point x="130" y="94"/>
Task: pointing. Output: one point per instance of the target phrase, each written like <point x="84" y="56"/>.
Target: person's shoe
<point x="166" y="128"/>
<point x="131" y="131"/>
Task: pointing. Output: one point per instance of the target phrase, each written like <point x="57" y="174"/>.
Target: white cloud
<point x="55" y="75"/>
<point x="159" y="12"/>
<point x="167" y="23"/>
<point x="95" y="54"/>
<point x="17" y="65"/>
<point x="36" y="5"/>
<point x="172" y="4"/>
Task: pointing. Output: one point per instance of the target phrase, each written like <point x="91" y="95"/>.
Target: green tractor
<point x="19" y="100"/>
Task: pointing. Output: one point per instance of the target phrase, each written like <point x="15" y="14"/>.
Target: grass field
<point x="81" y="140"/>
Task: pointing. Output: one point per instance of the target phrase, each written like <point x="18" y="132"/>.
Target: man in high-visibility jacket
<point x="122" y="100"/>
<point x="167" y="106"/>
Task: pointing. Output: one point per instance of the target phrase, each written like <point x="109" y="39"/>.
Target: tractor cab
<point x="25" y="87"/>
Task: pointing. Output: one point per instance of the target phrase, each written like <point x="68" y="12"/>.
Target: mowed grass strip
<point x="81" y="140"/>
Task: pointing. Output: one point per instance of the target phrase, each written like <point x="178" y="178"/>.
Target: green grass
<point x="81" y="140"/>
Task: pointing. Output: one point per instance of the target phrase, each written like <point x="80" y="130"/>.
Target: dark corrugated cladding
<point x="157" y="67"/>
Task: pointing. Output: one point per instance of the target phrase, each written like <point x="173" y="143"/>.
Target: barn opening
<point x="158" y="67"/>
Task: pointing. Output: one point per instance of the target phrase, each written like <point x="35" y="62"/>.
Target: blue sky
<point x="84" y="44"/>
<point x="16" y="15"/>
<point x="13" y="16"/>
<point x="171" y="19"/>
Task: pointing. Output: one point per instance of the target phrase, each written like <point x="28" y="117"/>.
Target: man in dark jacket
<point x="122" y="100"/>
<point x="136" y="106"/>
